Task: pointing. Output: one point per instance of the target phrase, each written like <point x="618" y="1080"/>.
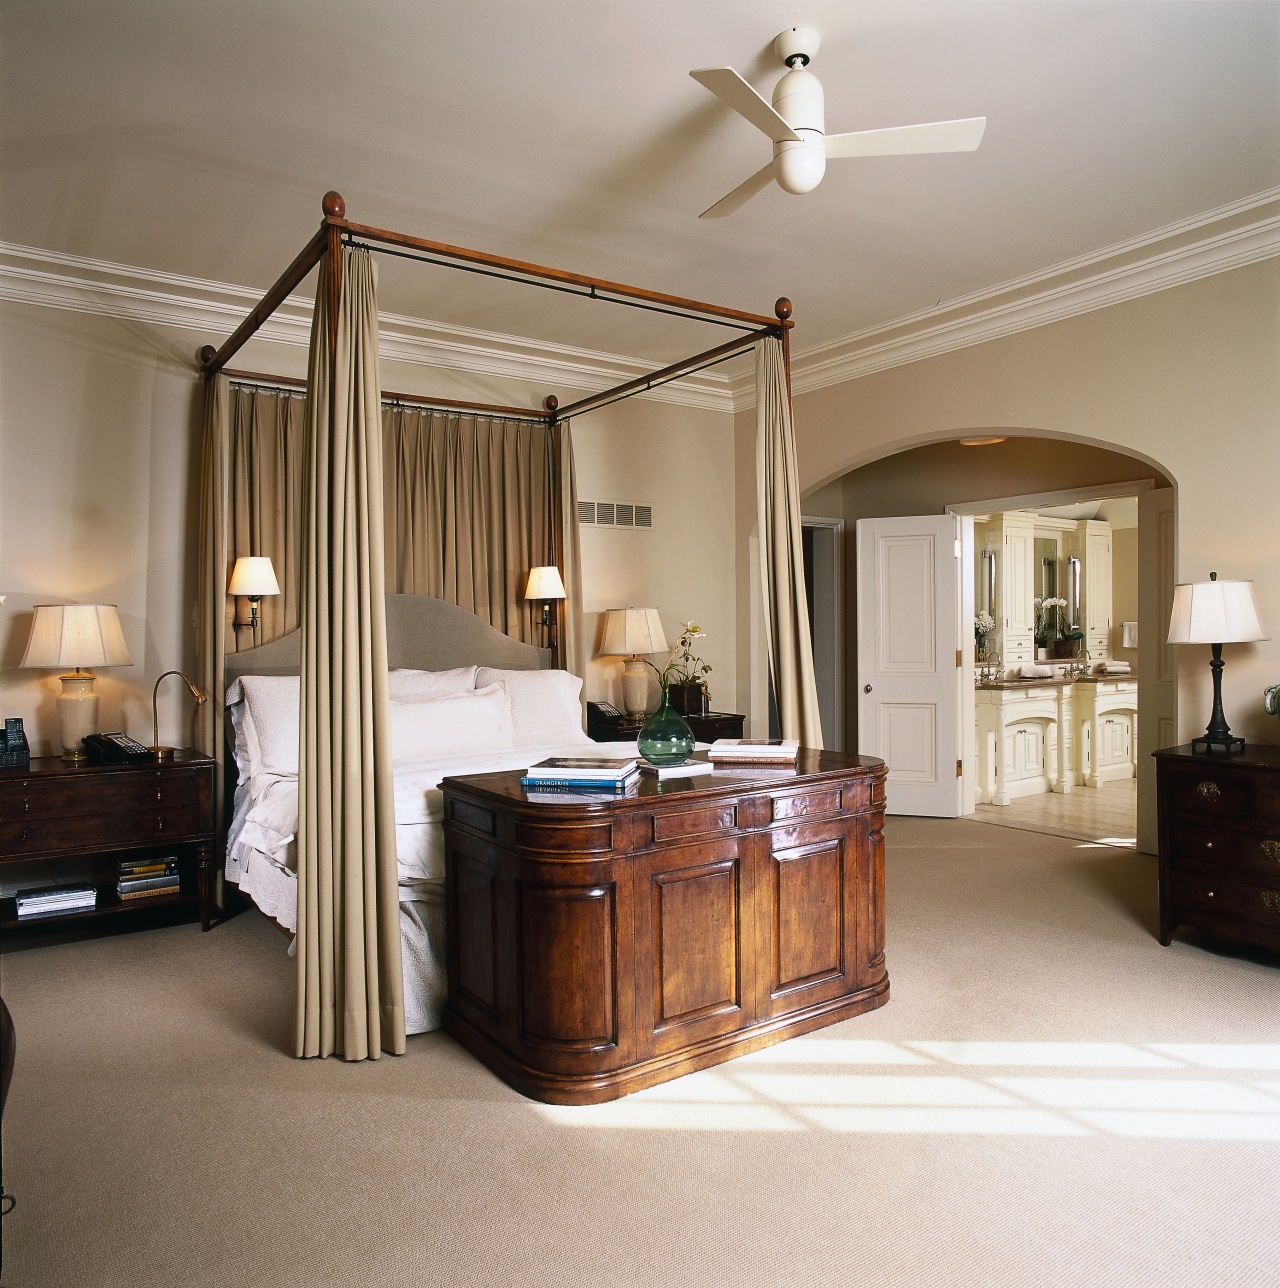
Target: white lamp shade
<point x="632" y="630"/>
<point x="253" y="575"/>
<point x="76" y="635"/>
<point x="545" y="583"/>
<point x="1214" y="612"/>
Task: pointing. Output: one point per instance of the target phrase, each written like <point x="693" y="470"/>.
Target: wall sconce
<point x="1215" y="612"/>
<point x="989" y="581"/>
<point x="1073" y="592"/>
<point x="166" y="753"/>
<point x="545" y="586"/>
<point x="632" y="631"/>
<point x="253" y="576"/>
<point x="76" y="635"/>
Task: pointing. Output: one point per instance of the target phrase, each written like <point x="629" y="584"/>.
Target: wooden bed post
<point x="782" y="307"/>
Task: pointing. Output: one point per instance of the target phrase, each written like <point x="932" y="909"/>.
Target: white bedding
<point x="463" y="722"/>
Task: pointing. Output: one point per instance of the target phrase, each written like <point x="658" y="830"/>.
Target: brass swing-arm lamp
<point x="166" y="753"/>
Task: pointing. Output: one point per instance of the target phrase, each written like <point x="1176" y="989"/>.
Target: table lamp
<point x="630" y="632"/>
<point x="77" y="635"/>
<point x="253" y="576"/>
<point x="1216" y="613"/>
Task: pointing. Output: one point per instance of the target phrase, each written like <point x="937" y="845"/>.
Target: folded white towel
<point x="1114" y="668"/>
<point x="1034" y="671"/>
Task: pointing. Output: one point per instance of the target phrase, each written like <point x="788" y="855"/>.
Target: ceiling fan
<point x="795" y="124"/>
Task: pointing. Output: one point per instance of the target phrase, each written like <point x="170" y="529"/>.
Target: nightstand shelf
<point x="624" y="728"/>
<point x="89" y="816"/>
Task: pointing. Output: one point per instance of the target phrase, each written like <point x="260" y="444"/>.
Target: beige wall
<point x="1186" y="380"/>
<point x="99" y="461"/>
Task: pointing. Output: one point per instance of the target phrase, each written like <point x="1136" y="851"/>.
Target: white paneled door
<point x="909" y="659"/>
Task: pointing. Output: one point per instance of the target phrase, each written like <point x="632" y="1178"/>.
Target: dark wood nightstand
<point x="99" y="813"/>
<point x="1220" y="843"/>
<point x="625" y="728"/>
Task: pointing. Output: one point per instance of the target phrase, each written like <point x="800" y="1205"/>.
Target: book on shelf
<point x="128" y="868"/>
<point x="42" y="900"/>
<point x="695" y="765"/>
<point x="760" y="751"/>
<point x="583" y="768"/>
<point x="151" y="892"/>
<point x="129" y="885"/>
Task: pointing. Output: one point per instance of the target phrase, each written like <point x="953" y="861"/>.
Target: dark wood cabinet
<point x="595" y="946"/>
<point x="1220" y="844"/>
<point x="625" y="728"/>
<point x="52" y="811"/>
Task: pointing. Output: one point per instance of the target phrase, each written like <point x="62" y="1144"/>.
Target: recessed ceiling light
<point x="983" y="442"/>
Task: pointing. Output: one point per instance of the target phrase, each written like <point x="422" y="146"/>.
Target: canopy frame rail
<point x="335" y="227"/>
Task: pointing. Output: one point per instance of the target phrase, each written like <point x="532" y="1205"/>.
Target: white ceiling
<point x="198" y="139"/>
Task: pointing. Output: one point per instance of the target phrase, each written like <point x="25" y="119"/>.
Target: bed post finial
<point x="782" y="308"/>
<point x="551" y="403"/>
<point x="333" y="205"/>
<point x="207" y="354"/>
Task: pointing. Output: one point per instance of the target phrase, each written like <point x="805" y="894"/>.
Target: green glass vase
<point x="665" y="738"/>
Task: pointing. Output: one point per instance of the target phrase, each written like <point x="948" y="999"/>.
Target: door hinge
<point x="959" y="657"/>
<point x="959" y="768"/>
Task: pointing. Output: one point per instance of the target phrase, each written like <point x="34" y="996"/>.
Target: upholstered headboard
<point x="422" y="633"/>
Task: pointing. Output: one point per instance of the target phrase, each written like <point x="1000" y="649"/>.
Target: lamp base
<point x="635" y="686"/>
<point x="162" y="753"/>
<point x="1230" y="746"/>
<point x="77" y="715"/>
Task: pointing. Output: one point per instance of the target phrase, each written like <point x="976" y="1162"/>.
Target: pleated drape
<point x="350" y="987"/>
<point x="472" y="503"/>
<point x="786" y="611"/>
<point x="211" y="579"/>
<point x="267" y="451"/>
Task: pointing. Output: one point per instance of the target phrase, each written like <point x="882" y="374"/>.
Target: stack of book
<point x="54" y="901"/>
<point x="147" y="878"/>
<point x="725" y="753"/>
<point x="582" y="773"/>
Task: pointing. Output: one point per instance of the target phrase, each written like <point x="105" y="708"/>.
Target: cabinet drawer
<point x="24" y="799"/>
<point x="1238" y="853"/>
<point x="1205" y="794"/>
<point x="75" y="832"/>
<point x="1209" y="893"/>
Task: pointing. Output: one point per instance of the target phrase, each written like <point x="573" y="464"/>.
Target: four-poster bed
<point x="349" y="974"/>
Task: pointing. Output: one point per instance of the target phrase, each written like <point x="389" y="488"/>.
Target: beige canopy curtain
<point x="267" y="453"/>
<point x="211" y="579"/>
<point x="350" y="986"/>
<point x="472" y="502"/>
<point x="786" y="611"/>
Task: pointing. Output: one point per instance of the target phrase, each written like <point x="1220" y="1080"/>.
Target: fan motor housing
<point x="798" y="166"/>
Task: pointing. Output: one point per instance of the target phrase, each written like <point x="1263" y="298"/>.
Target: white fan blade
<point x="734" y="92"/>
<point x="740" y="195"/>
<point x="899" y="140"/>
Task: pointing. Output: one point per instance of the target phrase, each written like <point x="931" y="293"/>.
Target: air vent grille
<point x="616" y="514"/>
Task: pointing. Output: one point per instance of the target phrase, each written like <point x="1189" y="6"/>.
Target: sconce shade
<point x="76" y="635"/>
<point x="253" y="575"/>
<point x="1214" y="612"/>
<point x="545" y="583"/>
<point x="632" y="630"/>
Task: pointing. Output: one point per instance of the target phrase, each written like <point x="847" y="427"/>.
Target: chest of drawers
<point x="1220" y="844"/>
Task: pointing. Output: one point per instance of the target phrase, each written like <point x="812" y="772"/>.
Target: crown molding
<point x="30" y="275"/>
<point x="1231" y="236"/>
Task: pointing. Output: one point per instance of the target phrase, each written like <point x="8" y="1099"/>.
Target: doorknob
<point x="866" y="688"/>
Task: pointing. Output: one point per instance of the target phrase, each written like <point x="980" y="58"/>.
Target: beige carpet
<point x="1050" y="1098"/>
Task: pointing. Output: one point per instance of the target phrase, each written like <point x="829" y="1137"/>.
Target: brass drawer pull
<point x="1209" y="791"/>
<point x="1209" y="894"/>
<point x="1271" y="849"/>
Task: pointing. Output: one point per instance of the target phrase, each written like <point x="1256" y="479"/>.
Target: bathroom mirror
<point x="1047" y="564"/>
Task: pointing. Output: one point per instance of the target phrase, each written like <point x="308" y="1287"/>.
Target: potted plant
<point x="683" y="677"/>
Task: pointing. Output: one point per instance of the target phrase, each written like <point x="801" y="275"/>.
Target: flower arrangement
<point x="984" y="623"/>
<point x="683" y="666"/>
<point x="1049" y="616"/>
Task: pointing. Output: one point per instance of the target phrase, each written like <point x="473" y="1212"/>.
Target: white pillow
<point x="271" y="707"/>
<point x="404" y="683"/>
<point x="425" y="728"/>
<point x="546" y="706"/>
<point x="246" y="752"/>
